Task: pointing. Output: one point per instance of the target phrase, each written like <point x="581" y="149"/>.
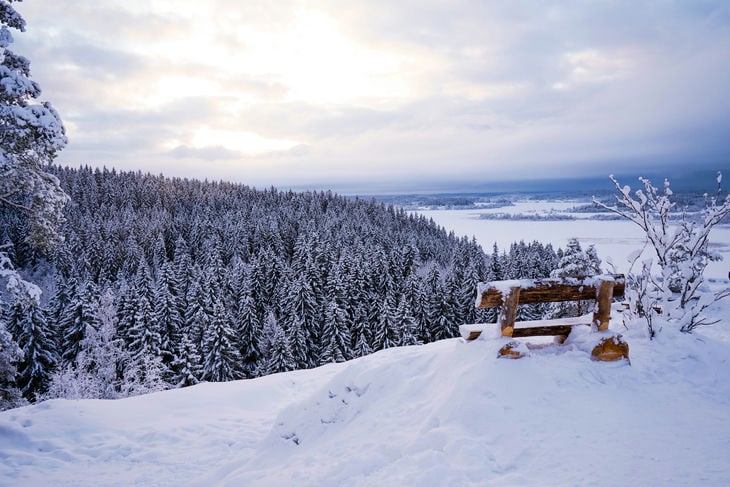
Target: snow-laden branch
<point x="682" y="251"/>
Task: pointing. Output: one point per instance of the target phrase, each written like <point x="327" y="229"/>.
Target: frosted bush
<point x="681" y="251"/>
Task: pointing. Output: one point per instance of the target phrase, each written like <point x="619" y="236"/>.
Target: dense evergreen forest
<point x="168" y="282"/>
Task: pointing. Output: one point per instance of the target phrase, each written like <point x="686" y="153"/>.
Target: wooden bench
<point x="508" y="295"/>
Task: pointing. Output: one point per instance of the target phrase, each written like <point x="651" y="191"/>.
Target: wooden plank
<point x="530" y="331"/>
<point x="550" y="291"/>
<point x="538" y="331"/>
<point x="473" y="335"/>
<point x="508" y="312"/>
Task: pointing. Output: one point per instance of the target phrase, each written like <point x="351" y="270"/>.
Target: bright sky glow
<point x="296" y="93"/>
<point x="243" y="142"/>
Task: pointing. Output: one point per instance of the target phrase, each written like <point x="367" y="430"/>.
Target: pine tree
<point x="166" y="312"/>
<point x="249" y="333"/>
<point x="299" y="312"/>
<point x="362" y="345"/>
<point x="182" y="266"/>
<point x="575" y="263"/>
<point x="196" y="317"/>
<point x="145" y="337"/>
<point x="77" y="317"/>
<point x="279" y="357"/>
<point x="386" y="328"/>
<point x="95" y="372"/>
<point x="406" y="322"/>
<point x="27" y="323"/>
<point x="30" y="136"/>
<point x="220" y="356"/>
<point x="335" y="335"/>
<point x="298" y="344"/>
<point x="10" y="355"/>
<point x="188" y="366"/>
<point x="58" y="302"/>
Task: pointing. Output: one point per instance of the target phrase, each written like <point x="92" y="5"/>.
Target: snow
<point x="444" y="414"/>
<point x="619" y="241"/>
<point x="447" y="413"/>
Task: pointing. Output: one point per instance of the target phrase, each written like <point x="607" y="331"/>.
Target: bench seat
<point x="561" y="326"/>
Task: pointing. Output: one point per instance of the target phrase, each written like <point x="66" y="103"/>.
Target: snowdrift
<point x="448" y="413"/>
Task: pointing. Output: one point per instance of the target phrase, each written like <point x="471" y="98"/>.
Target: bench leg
<point x="508" y="312"/>
<point x="604" y="298"/>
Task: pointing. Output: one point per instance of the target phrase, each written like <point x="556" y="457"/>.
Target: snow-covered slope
<point x="443" y="414"/>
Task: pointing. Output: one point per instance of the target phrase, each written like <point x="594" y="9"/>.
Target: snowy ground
<point x="444" y="414"/>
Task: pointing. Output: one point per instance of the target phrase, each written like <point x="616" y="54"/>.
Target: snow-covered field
<point x="616" y="240"/>
<point x="444" y="414"/>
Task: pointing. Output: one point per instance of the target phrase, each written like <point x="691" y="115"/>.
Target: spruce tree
<point x="166" y="312"/>
<point x="188" y="367"/>
<point x="406" y="322"/>
<point x="80" y="314"/>
<point x="221" y="359"/>
<point x="249" y="333"/>
<point x="386" y="329"/>
<point x="10" y="355"/>
<point x="279" y="357"/>
<point x="31" y="134"/>
<point x="27" y="323"/>
<point x="335" y="335"/>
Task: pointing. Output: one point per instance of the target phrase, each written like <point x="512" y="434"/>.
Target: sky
<point x="423" y="94"/>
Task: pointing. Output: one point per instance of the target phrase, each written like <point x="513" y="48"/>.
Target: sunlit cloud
<point x="243" y="142"/>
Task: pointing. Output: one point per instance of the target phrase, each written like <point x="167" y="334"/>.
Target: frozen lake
<point x="615" y="240"/>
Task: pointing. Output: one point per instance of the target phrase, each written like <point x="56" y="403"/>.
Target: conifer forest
<point x="163" y="283"/>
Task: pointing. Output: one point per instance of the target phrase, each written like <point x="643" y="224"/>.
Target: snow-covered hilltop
<point x="447" y="413"/>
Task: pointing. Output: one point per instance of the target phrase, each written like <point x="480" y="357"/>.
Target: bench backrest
<point x="549" y="290"/>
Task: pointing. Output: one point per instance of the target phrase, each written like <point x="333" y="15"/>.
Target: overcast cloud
<point x="295" y="93"/>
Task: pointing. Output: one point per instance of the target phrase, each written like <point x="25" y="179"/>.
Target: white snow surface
<point x="619" y="241"/>
<point x="444" y="414"/>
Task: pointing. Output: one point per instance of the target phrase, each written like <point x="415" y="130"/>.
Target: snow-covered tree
<point x="10" y="355"/>
<point x="167" y="312"/>
<point x="145" y="336"/>
<point x="682" y="253"/>
<point x="248" y="332"/>
<point x="188" y="368"/>
<point x="77" y="318"/>
<point x="30" y="136"/>
<point x="27" y="323"/>
<point x="335" y="335"/>
<point x="406" y="322"/>
<point x="221" y="360"/>
<point x="386" y="329"/>
<point x="95" y="372"/>
<point x="278" y="352"/>
<point x="574" y="262"/>
<point x="144" y="376"/>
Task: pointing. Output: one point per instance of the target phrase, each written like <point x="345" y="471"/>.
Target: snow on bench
<point x="561" y="326"/>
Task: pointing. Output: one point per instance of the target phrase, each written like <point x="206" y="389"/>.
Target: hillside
<point x="447" y="413"/>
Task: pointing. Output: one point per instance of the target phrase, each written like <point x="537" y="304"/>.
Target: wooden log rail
<point x="509" y="294"/>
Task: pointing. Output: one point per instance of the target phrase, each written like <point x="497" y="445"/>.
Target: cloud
<point x="216" y="153"/>
<point x="385" y="90"/>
